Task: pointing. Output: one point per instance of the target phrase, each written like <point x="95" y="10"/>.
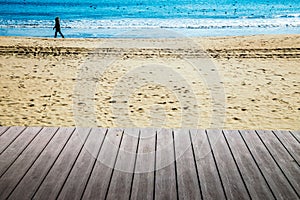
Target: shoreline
<point x="258" y="74"/>
<point x="206" y="41"/>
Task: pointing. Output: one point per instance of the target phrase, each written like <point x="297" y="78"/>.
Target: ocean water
<point x="124" y="18"/>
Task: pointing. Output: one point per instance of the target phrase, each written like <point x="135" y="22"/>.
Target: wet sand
<point x="247" y="82"/>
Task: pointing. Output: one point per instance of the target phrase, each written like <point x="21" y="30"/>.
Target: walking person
<point x="57" y="28"/>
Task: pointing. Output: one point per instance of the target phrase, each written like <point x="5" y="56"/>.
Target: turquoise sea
<point x="111" y="18"/>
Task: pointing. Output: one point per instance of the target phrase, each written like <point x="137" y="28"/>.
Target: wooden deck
<point x="84" y="163"/>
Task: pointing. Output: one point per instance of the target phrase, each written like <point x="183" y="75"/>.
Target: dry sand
<point x="248" y="82"/>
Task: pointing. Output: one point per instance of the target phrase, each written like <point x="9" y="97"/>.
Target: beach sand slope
<point x="151" y="82"/>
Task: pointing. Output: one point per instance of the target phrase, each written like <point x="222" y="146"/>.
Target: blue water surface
<point x="109" y="18"/>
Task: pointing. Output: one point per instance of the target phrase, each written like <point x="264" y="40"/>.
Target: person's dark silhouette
<point x="57" y="28"/>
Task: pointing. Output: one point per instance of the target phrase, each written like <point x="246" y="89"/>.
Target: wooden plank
<point x="187" y="176"/>
<point x="36" y="174"/>
<point x="231" y="179"/>
<point x="32" y="157"/>
<point x="289" y="143"/>
<point x="121" y="180"/>
<point x="143" y="181"/>
<point x="210" y="182"/>
<point x="51" y="185"/>
<point x="17" y="147"/>
<point x="20" y="167"/>
<point x="75" y="184"/>
<point x="101" y="173"/>
<point x="9" y="136"/>
<point x="283" y="159"/>
<point x="276" y="180"/>
<point x="296" y="135"/>
<point x="3" y="129"/>
<point x="248" y="168"/>
<point x="165" y="175"/>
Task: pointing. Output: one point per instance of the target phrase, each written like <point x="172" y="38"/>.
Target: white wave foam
<point x="158" y="23"/>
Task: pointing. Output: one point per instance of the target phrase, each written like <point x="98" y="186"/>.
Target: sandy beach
<point x="247" y="82"/>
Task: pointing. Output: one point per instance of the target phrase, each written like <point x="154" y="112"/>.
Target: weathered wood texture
<point x="149" y="163"/>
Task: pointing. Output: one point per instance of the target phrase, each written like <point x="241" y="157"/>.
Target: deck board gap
<point x="286" y="148"/>
<point x="73" y="165"/>
<point x="294" y="136"/>
<point x="238" y="168"/>
<point x="13" y="140"/>
<point x="93" y="167"/>
<point x="33" y="161"/>
<point x="20" y="153"/>
<point x="134" y="166"/>
<point x="195" y="163"/>
<point x="115" y="162"/>
<point x="154" y="176"/>
<point x="37" y="189"/>
<point x="175" y="164"/>
<point x="257" y="165"/>
<point x="278" y="165"/>
<point x="4" y="131"/>
<point x="214" y="158"/>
